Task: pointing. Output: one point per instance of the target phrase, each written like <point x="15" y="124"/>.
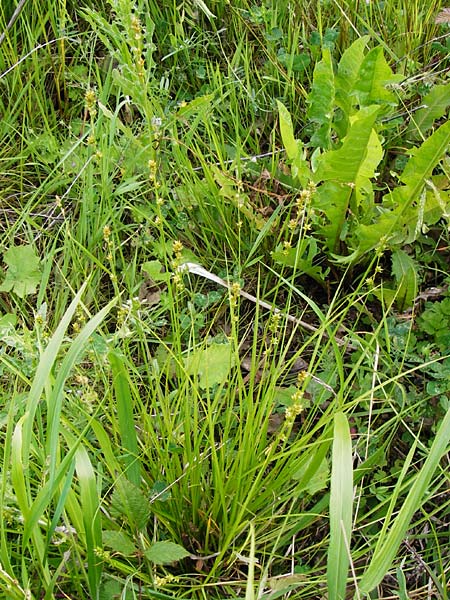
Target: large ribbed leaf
<point x="375" y="74"/>
<point x="395" y="225"/>
<point x="321" y="101"/>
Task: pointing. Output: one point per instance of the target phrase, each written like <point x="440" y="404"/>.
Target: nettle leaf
<point x="211" y="365"/>
<point x="321" y="101"/>
<point x="118" y="541"/>
<point x="436" y="104"/>
<point x="374" y="75"/>
<point x="24" y="271"/>
<point x="165" y="553"/>
<point x="129" y="501"/>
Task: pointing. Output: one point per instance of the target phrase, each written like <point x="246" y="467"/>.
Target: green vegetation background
<point x="224" y="307"/>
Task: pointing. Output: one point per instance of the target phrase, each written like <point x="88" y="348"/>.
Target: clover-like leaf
<point x="24" y="272"/>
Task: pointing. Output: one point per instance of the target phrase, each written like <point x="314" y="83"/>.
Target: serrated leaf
<point x="374" y="75"/>
<point x="436" y="104"/>
<point x="211" y="365"/>
<point x="347" y="173"/>
<point x="129" y="501"/>
<point x="24" y="272"/>
<point x="165" y="553"/>
<point x="321" y="101"/>
<point x="118" y="541"/>
<point x="349" y="67"/>
<point x="424" y="159"/>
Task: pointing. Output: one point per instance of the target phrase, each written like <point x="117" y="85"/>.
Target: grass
<point x="163" y="436"/>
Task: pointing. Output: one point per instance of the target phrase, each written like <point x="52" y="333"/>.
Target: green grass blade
<point x="42" y="373"/>
<point x="124" y="402"/>
<point x="385" y="553"/>
<point x="57" y="395"/>
<point x="341" y="500"/>
<point x="90" y="506"/>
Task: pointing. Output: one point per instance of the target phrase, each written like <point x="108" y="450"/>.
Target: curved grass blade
<point x="90" y="506"/>
<point x="341" y="500"/>
<point x="386" y="549"/>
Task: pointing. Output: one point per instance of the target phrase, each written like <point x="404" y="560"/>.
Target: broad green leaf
<point x="287" y="131"/>
<point x="332" y="200"/>
<point x="436" y="104"/>
<point x="211" y="365"/>
<point x="347" y="75"/>
<point x="118" y="541"/>
<point x="374" y="75"/>
<point x="348" y="69"/>
<point x="153" y="268"/>
<point x="294" y="148"/>
<point x="389" y="543"/>
<point x="402" y="220"/>
<point x="351" y="163"/>
<point x="7" y="324"/>
<point x="341" y="502"/>
<point x="347" y="173"/>
<point x="165" y="553"/>
<point x="321" y="101"/>
<point x="129" y="501"/>
<point x="404" y="270"/>
<point x="24" y="271"/>
<point x="424" y="159"/>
